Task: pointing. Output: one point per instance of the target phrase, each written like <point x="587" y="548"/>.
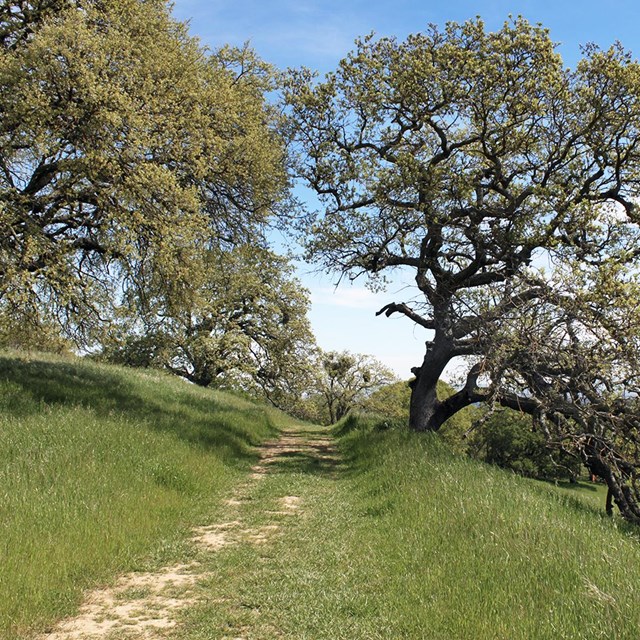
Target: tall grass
<point x="104" y="470"/>
<point x="463" y="550"/>
<point x="101" y="470"/>
<point x="404" y="540"/>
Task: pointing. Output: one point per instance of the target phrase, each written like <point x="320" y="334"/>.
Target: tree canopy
<point x="242" y="325"/>
<point x="506" y="183"/>
<point x="125" y="147"/>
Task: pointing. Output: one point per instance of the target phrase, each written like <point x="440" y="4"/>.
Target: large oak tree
<point x="125" y="147"/>
<point x="506" y="183"/>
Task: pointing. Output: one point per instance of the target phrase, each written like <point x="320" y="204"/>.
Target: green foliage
<point x="242" y="325"/>
<point x="18" y="331"/>
<point x="126" y="147"/>
<point x="456" y="137"/>
<point x="149" y="350"/>
<point x="102" y="471"/>
<point x="390" y="402"/>
<point x="509" y="440"/>
<point x="346" y="381"/>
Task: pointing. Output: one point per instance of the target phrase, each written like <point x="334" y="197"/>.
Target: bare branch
<point x="405" y="310"/>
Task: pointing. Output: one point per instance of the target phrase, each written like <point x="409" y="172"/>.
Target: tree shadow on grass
<point x="202" y="421"/>
<point x="307" y="450"/>
<point x="309" y="462"/>
<point x="576" y="486"/>
<point x="590" y="508"/>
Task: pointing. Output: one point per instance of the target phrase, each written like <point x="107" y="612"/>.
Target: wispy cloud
<point x="315" y="33"/>
<point x="346" y="297"/>
<point x="323" y="40"/>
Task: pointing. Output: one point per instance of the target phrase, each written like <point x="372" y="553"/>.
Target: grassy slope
<point x="406" y="541"/>
<point x="103" y="470"/>
<point x="469" y="551"/>
<point x="591" y="493"/>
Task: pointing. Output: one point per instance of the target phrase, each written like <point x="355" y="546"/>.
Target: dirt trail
<point x="145" y="605"/>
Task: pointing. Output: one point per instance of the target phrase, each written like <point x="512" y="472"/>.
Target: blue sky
<point x="317" y="34"/>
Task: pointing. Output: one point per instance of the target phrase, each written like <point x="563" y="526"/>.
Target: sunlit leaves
<point x="125" y="147"/>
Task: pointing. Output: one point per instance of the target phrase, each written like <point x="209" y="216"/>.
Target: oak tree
<point x="125" y="147"/>
<point x="242" y="324"/>
<point x="462" y="156"/>
<point x="506" y="184"/>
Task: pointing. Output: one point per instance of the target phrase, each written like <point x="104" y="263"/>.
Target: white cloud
<point x="349" y="297"/>
<point x="325" y="40"/>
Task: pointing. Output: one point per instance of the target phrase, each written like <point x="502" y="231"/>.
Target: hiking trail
<point x="150" y="605"/>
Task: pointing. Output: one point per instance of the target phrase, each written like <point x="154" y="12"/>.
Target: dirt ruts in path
<point x="296" y="446"/>
<point x="145" y="605"/>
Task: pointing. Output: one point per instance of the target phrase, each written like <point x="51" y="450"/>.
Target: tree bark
<point x="614" y="475"/>
<point x="425" y="410"/>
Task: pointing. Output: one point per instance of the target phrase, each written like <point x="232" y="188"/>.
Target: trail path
<point x="154" y="605"/>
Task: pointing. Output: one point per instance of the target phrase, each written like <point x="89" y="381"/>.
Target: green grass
<point x="405" y="540"/>
<point x="104" y="470"/>
<point x="469" y="551"/>
<point x="590" y="493"/>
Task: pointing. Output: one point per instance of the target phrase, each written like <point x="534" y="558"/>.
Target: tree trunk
<point x="615" y="477"/>
<point x="425" y="410"/>
<point x="423" y="405"/>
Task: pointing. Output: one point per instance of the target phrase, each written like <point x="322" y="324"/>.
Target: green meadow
<point x="106" y="470"/>
<point x="103" y="471"/>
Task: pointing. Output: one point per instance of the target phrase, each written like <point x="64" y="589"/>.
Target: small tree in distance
<point x="346" y="380"/>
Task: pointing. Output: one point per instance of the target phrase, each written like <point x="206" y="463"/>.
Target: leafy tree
<point x="148" y="350"/>
<point x="242" y="324"/>
<point x="125" y="148"/>
<point x="462" y="155"/>
<point x="475" y="159"/>
<point x="390" y="401"/>
<point x="23" y="333"/>
<point x="347" y="381"/>
<point x="20" y="19"/>
<point x="574" y="361"/>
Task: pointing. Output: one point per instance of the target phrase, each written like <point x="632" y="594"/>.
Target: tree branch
<point x="402" y="308"/>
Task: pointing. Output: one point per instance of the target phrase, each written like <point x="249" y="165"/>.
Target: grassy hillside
<point x="103" y="469"/>
<point x="403" y="540"/>
<point x="458" y="549"/>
